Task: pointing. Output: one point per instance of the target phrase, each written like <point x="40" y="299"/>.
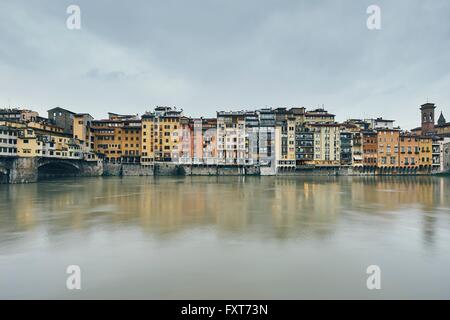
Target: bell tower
<point x="427" y="112"/>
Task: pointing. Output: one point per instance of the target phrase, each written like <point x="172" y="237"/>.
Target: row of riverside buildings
<point x="278" y="139"/>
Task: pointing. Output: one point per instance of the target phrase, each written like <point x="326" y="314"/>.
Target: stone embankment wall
<point x="169" y="169"/>
<point x="18" y="170"/>
<point x="349" y="171"/>
<point x="91" y="168"/>
<point x="25" y="170"/>
<point x="173" y="169"/>
<point x="126" y="169"/>
<point x="112" y="169"/>
<point x="136" y="170"/>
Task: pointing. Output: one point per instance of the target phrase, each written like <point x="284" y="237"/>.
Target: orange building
<point x="131" y="141"/>
<point x="370" y="148"/>
<point x="117" y="138"/>
<point x="416" y="151"/>
<point x="388" y="144"/>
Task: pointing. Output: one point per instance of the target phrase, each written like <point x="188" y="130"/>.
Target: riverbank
<point x="29" y="170"/>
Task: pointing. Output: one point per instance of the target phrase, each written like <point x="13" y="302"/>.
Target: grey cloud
<point x="111" y="75"/>
<point x="214" y="54"/>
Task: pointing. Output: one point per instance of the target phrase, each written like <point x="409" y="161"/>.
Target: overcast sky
<point x="211" y="55"/>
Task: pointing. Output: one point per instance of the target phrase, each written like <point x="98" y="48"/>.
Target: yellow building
<point x="149" y="135"/>
<point x="81" y="122"/>
<point x="27" y="144"/>
<point x="131" y="141"/>
<point x="12" y="124"/>
<point x="33" y="142"/>
<point x="426" y="151"/>
<point x="44" y="126"/>
<point x="167" y="134"/>
<point x="409" y="155"/>
<point x="285" y="144"/>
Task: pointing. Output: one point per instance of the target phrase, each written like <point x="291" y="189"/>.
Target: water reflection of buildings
<point x="390" y="194"/>
<point x="280" y="207"/>
<point x="305" y="205"/>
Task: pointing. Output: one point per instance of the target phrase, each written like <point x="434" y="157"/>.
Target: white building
<point x="8" y="141"/>
<point x="327" y="144"/>
<point x="380" y="123"/>
<point x="285" y="145"/>
<point x="231" y="138"/>
<point x="445" y="155"/>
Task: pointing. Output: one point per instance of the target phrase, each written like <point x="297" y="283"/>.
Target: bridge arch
<point x="4" y="174"/>
<point x="53" y="168"/>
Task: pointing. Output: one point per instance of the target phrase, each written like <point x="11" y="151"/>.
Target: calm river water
<point x="226" y="237"/>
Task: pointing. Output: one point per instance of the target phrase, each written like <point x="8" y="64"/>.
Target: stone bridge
<point x="24" y="170"/>
<point x="6" y="164"/>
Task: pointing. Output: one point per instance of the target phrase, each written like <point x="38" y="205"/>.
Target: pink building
<point x="198" y="141"/>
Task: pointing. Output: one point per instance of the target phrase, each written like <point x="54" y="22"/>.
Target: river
<point x="226" y="237"/>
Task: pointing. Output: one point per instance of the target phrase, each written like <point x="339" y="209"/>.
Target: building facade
<point x="231" y="138"/>
<point x="62" y="118"/>
<point x="8" y="141"/>
<point x="370" y="149"/>
<point x="327" y="144"/>
<point x="81" y="132"/>
<point x="167" y="134"/>
<point x="149" y="135"/>
<point x="277" y="139"/>
<point x="388" y="146"/>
